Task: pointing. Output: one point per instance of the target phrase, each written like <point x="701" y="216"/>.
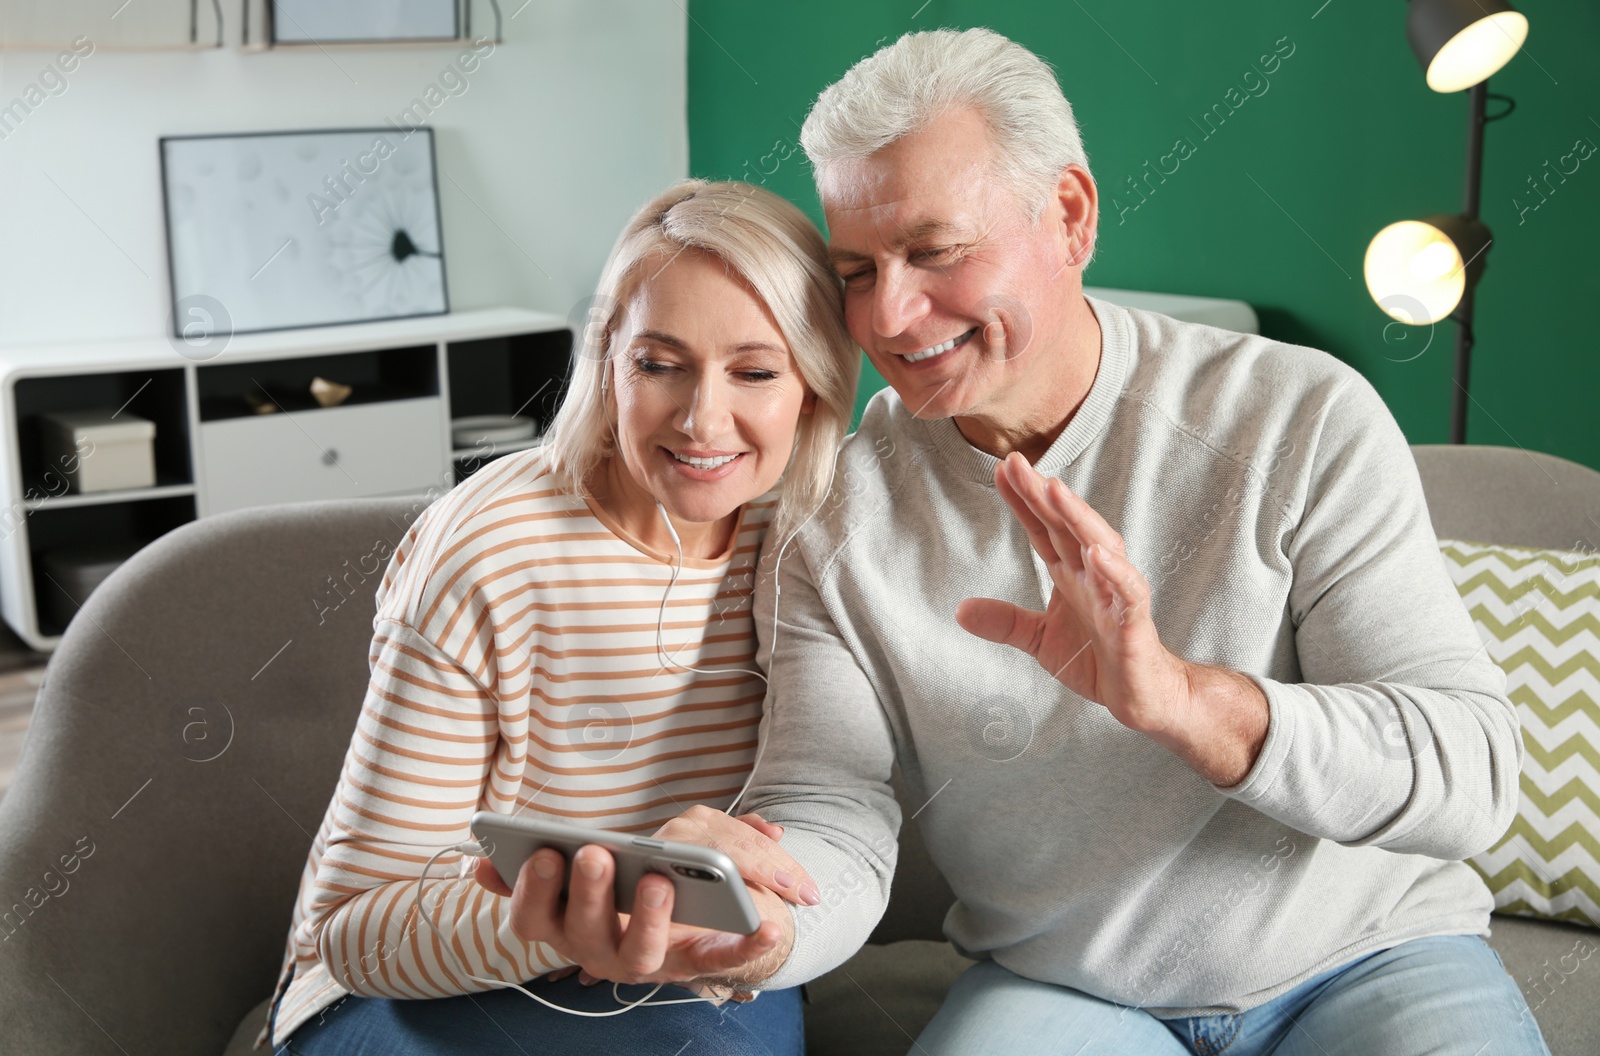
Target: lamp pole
<point x="1476" y="106"/>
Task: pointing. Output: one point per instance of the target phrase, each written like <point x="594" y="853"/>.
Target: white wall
<point x="569" y="125"/>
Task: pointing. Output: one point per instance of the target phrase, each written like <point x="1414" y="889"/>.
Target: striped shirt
<point x="515" y="667"/>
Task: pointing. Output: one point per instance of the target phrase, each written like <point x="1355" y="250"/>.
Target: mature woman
<point x="568" y="634"/>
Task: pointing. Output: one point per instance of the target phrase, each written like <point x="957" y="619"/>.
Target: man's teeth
<point x="705" y="463"/>
<point x="938" y="350"/>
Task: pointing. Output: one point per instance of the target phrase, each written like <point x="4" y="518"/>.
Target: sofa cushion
<point x="877" y="1002"/>
<point x="1538" y="613"/>
<point x="244" y="1036"/>
<point x="1558" y="973"/>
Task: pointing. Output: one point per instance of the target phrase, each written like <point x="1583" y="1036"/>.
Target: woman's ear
<point x="809" y="404"/>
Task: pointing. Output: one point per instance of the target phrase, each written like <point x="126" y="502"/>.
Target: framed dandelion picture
<point x="274" y="230"/>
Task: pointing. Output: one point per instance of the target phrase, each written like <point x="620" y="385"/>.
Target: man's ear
<point x="1078" y="200"/>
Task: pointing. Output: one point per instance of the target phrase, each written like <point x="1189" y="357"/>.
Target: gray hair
<point x="775" y="248"/>
<point x="904" y="86"/>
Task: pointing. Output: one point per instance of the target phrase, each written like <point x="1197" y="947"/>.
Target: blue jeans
<point x="509" y="1023"/>
<point x="1446" y="994"/>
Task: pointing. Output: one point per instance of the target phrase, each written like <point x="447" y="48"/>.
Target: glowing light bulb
<point x="1434" y="261"/>
<point x="1477" y="52"/>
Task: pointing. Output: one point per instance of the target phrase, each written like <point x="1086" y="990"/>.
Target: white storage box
<point x="96" y="452"/>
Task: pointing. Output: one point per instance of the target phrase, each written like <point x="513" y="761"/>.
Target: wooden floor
<point x="17" y="690"/>
<point x="21" y="670"/>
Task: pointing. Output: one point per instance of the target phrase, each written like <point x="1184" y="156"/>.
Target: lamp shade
<point x="1418" y="270"/>
<point x="1462" y="42"/>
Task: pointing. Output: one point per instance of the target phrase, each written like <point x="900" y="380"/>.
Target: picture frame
<point x="288" y="229"/>
<point x="361" y="21"/>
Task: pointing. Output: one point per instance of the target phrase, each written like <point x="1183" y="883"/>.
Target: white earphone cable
<point x="475" y="849"/>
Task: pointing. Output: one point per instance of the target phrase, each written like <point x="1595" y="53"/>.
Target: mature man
<point x="1197" y="721"/>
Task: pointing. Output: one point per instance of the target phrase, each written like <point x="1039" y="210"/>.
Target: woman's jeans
<point x="1447" y="995"/>
<point x="509" y="1023"/>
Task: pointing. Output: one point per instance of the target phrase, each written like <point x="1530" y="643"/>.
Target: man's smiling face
<point x="933" y="246"/>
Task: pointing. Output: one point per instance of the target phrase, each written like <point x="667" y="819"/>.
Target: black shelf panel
<point x="377" y="375"/>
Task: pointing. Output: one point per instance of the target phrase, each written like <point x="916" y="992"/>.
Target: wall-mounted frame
<point x="361" y="21"/>
<point x="338" y="23"/>
<point x="279" y="230"/>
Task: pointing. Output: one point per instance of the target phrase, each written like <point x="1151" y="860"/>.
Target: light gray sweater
<point x="1272" y="502"/>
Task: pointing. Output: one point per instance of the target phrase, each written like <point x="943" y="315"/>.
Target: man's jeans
<point x="1447" y="994"/>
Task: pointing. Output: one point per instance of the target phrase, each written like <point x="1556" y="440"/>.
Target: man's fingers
<point x="1001" y="622"/>
<point x="1042" y="494"/>
<point x="1061" y="545"/>
<point x="1038" y="534"/>
<point x="489" y="877"/>
<point x="716" y="952"/>
<point x="1084" y="520"/>
<point x="1125" y="582"/>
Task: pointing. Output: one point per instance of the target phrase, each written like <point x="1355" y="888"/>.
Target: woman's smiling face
<point x="706" y="396"/>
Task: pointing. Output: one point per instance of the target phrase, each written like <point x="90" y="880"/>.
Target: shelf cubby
<point x="523" y="374"/>
<point x="215" y="451"/>
<point x="156" y="395"/>
<point x="374" y="376"/>
<point x="68" y="527"/>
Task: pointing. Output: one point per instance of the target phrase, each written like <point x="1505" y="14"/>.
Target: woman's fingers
<point x="770" y="830"/>
<point x="646" y="939"/>
<point x="489" y="877"/>
<point x="536" y="901"/>
<point x="758" y="857"/>
<point x="590" y="921"/>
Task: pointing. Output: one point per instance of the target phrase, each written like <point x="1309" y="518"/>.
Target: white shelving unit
<point x="214" y="452"/>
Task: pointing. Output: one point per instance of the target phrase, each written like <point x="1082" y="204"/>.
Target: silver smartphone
<point x="708" y="890"/>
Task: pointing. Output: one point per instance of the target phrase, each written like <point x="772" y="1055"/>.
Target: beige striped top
<point x="515" y="668"/>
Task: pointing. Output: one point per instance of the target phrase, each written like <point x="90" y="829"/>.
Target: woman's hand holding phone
<point x="644" y="946"/>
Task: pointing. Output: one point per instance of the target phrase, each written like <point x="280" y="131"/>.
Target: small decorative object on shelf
<point x="259" y="403"/>
<point x="99" y="450"/>
<point x="329" y="393"/>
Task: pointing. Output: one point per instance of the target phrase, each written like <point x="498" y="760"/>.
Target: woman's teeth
<point x="704" y="463"/>
<point x="939" y="350"/>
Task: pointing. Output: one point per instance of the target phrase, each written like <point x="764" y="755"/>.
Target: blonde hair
<point x="903" y="86"/>
<point x="776" y="250"/>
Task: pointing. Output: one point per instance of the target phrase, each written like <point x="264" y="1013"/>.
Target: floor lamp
<point x="1421" y="271"/>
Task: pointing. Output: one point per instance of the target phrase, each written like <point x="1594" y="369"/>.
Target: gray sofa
<point x="192" y="725"/>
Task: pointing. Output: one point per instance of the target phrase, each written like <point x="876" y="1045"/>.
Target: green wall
<point x="1277" y="206"/>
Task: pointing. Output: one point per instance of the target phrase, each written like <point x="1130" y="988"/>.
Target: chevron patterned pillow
<point x="1538" y="613"/>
